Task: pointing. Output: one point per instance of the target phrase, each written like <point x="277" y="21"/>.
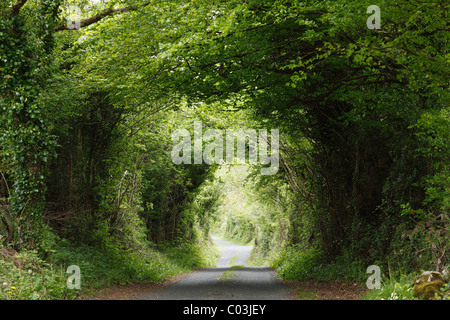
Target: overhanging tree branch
<point x="100" y="16"/>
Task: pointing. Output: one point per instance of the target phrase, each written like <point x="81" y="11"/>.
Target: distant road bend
<point x="226" y="282"/>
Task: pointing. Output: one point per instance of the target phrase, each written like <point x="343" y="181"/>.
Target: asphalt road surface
<point x="232" y="254"/>
<point x="226" y="282"/>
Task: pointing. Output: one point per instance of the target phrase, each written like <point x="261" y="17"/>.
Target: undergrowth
<point x="27" y="275"/>
<point x="400" y="287"/>
<point x="296" y="263"/>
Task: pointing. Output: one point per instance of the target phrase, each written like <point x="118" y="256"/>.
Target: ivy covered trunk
<point x="26" y="44"/>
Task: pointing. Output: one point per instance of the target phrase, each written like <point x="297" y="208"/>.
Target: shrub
<point x="297" y="263"/>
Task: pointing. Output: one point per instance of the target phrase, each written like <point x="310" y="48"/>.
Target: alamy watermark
<point x="236" y="142"/>
<point x="374" y="21"/>
<point x="374" y="280"/>
<point x="74" y="281"/>
<point x="74" y="17"/>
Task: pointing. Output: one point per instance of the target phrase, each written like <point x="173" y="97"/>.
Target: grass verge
<point x="26" y="275"/>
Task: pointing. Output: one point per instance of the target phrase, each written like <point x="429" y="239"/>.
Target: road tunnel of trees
<point x="87" y="116"/>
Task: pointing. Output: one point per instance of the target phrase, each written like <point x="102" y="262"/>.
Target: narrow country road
<point x="226" y="282"/>
<point x="231" y="254"/>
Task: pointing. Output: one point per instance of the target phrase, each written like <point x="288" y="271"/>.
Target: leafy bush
<point x="190" y="255"/>
<point x="297" y="263"/>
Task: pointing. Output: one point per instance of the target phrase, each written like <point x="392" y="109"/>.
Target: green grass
<point x="305" y="295"/>
<point x="228" y="275"/>
<point x="232" y="261"/>
<point x="296" y="263"/>
<point x="400" y="288"/>
<point x="27" y="276"/>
